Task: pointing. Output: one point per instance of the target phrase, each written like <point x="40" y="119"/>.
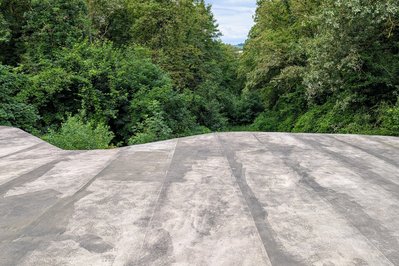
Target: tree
<point x="11" y="23"/>
<point x="110" y="20"/>
<point x="356" y="51"/>
<point x="13" y="111"/>
<point x="52" y="25"/>
<point x="274" y="59"/>
<point x="4" y="30"/>
<point x="324" y="66"/>
<point x="182" y="35"/>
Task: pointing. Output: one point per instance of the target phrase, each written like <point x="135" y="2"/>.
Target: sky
<point x="235" y="18"/>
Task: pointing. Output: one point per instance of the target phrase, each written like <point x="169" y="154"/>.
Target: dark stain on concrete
<point x="390" y="145"/>
<point x="368" y="151"/>
<point x="93" y="243"/>
<point x="179" y="165"/>
<point x="29" y="176"/>
<point x="359" y="166"/>
<point x="17" y="212"/>
<point x="380" y="236"/>
<point x="20" y="210"/>
<point x="372" y="229"/>
<point x="183" y="159"/>
<point x="50" y="225"/>
<point x="24" y="150"/>
<point x="210" y="216"/>
<point x="158" y="249"/>
<point x="275" y="251"/>
<point x="32" y="221"/>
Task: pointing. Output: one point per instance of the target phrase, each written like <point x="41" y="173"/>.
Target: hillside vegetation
<point x="93" y="74"/>
<point x="325" y="66"/>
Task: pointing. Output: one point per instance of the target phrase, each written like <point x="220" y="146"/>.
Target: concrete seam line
<point x="94" y="178"/>
<point x="71" y="199"/>
<point x="327" y="201"/>
<point x="24" y="150"/>
<point x="26" y="177"/>
<point x="59" y="206"/>
<point x="378" y="156"/>
<point x="379" y="141"/>
<point x="170" y="157"/>
<point x="241" y="196"/>
<point x="352" y="163"/>
<point x="275" y="251"/>
<point x="353" y="225"/>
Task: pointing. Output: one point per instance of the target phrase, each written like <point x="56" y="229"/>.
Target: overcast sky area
<point x="235" y="18"/>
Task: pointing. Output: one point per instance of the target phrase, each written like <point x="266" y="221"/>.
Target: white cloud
<point x="235" y="18"/>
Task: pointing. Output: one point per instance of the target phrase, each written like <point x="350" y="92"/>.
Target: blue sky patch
<point x="235" y="18"/>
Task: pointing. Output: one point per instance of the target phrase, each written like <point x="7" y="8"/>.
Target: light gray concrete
<point x="216" y="199"/>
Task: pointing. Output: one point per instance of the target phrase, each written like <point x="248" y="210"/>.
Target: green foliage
<point x="182" y="36"/>
<point x="356" y="50"/>
<point x="77" y="134"/>
<point x="13" y="111"/>
<point x="245" y="108"/>
<point x="174" y="107"/>
<point x="390" y="119"/>
<point x="95" y="79"/>
<point x="4" y="30"/>
<point x="153" y="127"/>
<point x="325" y="66"/>
<point x="266" y="121"/>
<point x="110" y="19"/>
<point x="147" y="70"/>
<point x="12" y="21"/>
<point x="52" y="25"/>
<point x="328" y="118"/>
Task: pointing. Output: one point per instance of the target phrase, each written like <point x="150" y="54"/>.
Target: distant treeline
<point x="93" y="74"/>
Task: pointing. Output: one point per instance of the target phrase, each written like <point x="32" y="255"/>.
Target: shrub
<point x="153" y="127"/>
<point x="76" y="134"/>
<point x="390" y="119"/>
<point x="266" y="121"/>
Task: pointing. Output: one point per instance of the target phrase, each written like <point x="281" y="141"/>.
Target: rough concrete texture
<point x="217" y="199"/>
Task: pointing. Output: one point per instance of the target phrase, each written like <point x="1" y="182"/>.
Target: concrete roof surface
<point x="216" y="199"/>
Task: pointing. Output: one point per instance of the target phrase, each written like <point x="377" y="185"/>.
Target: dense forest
<point x="325" y="66"/>
<point x="103" y="73"/>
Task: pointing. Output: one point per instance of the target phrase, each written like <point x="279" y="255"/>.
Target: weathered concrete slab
<point x="217" y="199"/>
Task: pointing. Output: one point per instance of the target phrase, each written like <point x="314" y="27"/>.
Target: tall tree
<point x="356" y="52"/>
<point x="52" y="25"/>
<point x="325" y="66"/>
<point x="182" y="35"/>
<point x="12" y="22"/>
<point x="275" y="57"/>
<point x="110" y="19"/>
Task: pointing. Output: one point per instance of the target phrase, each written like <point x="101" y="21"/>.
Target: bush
<point x="153" y="128"/>
<point x="335" y="117"/>
<point x="266" y="121"/>
<point x="76" y="134"/>
<point x="308" y="122"/>
<point x="162" y="102"/>
<point x="390" y="120"/>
